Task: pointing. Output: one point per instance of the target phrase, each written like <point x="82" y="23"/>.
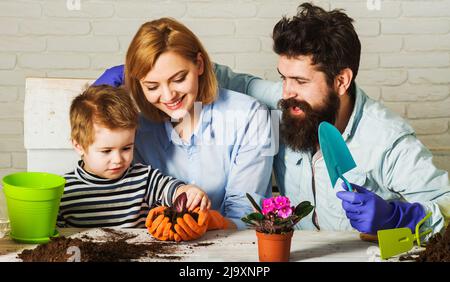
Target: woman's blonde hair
<point x="153" y="39"/>
<point x="104" y="105"/>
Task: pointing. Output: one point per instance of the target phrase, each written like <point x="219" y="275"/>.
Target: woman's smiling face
<point x="172" y="84"/>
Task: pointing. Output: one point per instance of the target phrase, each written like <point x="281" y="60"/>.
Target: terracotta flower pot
<point x="274" y="247"/>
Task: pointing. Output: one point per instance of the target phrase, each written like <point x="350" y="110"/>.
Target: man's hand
<point x="195" y="197"/>
<point x="369" y="213"/>
<point x="112" y="77"/>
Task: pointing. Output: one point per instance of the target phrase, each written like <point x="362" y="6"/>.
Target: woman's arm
<point x="408" y="169"/>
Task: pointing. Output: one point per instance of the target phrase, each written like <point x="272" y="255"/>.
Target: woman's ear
<point x="200" y="63"/>
<point x="343" y="80"/>
<point x="78" y="148"/>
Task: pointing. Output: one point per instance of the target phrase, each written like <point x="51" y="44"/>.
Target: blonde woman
<point x="189" y="128"/>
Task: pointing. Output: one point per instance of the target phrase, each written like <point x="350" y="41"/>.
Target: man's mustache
<point x="285" y="104"/>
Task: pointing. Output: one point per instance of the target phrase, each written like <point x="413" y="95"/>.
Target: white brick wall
<point x="405" y="61"/>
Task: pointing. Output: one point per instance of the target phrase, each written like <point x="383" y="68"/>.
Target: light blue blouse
<point x="228" y="155"/>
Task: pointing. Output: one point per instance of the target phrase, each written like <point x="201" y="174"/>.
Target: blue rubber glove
<point x="369" y="213"/>
<point x="113" y="76"/>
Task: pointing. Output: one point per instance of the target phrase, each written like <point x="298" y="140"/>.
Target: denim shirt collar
<point x="360" y="100"/>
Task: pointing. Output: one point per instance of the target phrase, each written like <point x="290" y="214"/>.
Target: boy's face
<point x="111" y="153"/>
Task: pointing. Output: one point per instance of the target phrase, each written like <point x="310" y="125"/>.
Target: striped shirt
<point x="92" y="201"/>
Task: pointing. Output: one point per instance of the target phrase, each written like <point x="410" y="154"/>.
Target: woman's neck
<point x="187" y="125"/>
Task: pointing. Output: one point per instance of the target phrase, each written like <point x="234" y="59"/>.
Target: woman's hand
<point x="195" y="197"/>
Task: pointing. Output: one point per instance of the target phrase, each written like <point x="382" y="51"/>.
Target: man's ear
<point x="200" y="63"/>
<point x="78" y="148"/>
<point x="343" y="80"/>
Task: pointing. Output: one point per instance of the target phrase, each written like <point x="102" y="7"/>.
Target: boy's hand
<point x="195" y="197"/>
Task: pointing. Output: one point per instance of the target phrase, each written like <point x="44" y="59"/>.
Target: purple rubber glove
<point x="369" y="213"/>
<point x="113" y="76"/>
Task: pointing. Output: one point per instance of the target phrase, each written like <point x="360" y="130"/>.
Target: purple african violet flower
<point x="278" y="216"/>
<point x="268" y="206"/>
<point x="281" y="202"/>
<point x="285" y="212"/>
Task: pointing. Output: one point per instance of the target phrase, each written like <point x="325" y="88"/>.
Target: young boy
<point x="105" y="189"/>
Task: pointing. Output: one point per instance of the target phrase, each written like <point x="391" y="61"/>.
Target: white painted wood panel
<point x="46" y="123"/>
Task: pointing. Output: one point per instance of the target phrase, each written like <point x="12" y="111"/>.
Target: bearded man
<point x="395" y="179"/>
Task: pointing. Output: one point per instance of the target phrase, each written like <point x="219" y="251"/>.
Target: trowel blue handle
<point x="347" y="183"/>
<point x="341" y="176"/>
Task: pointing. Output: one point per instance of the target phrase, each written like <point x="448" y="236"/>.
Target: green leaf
<point x="302" y="205"/>
<point x="249" y="222"/>
<point x="255" y="216"/>
<point x="254" y="204"/>
<point x="303" y="209"/>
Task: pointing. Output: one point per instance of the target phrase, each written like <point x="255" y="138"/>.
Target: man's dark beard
<point x="301" y="133"/>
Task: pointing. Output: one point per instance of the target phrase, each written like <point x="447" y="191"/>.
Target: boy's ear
<point x="78" y="148"/>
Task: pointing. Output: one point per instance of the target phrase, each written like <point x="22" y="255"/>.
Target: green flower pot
<point x="33" y="202"/>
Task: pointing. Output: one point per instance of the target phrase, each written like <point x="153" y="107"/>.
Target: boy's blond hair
<point x="103" y="105"/>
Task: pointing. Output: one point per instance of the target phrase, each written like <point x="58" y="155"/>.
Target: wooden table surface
<point x="237" y="246"/>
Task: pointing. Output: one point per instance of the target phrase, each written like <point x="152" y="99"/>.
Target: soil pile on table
<point x="437" y="248"/>
<point x="85" y="249"/>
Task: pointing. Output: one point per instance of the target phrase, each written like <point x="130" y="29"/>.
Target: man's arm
<point x="267" y="92"/>
<point x="408" y="169"/>
<point x="113" y="76"/>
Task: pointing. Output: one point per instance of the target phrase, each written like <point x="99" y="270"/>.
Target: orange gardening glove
<point x="186" y="228"/>
<point x="189" y="229"/>
<point x="216" y="221"/>
<point x="153" y="213"/>
<point x="158" y="225"/>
